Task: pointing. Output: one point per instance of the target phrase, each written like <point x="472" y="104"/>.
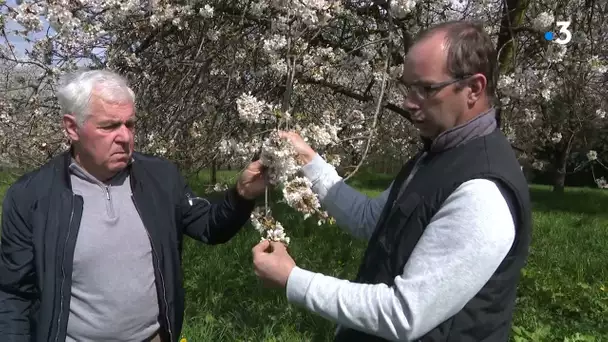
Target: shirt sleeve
<point x="352" y="210"/>
<point x="458" y="252"/>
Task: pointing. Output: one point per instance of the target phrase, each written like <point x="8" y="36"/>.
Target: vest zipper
<point x="162" y="280"/>
<point x="63" y="272"/>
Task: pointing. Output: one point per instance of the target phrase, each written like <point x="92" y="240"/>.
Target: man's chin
<point x="424" y="133"/>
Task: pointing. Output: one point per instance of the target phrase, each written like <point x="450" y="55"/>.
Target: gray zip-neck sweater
<point x="113" y="291"/>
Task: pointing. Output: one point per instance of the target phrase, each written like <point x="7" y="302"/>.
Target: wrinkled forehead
<point x="115" y="111"/>
<point x="426" y="60"/>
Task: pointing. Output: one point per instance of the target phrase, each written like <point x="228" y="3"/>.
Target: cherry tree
<point x="216" y="79"/>
<point x="554" y="95"/>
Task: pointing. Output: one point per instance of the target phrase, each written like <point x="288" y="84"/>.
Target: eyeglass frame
<point x="428" y="88"/>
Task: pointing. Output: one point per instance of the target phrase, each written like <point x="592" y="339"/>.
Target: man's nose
<point x="411" y="104"/>
<point x="124" y="134"/>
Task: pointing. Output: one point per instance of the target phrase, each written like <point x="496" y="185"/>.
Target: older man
<point x="449" y="237"/>
<point x="91" y="241"/>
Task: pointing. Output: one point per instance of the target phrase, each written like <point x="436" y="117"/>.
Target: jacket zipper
<point x="162" y="280"/>
<point x="63" y="273"/>
<point x="191" y="199"/>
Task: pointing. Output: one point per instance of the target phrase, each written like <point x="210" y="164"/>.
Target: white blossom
<point x="530" y="115"/>
<point x="598" y="65"/>
<point x="268" y="227"/>
<point x="220" y="187"/>
<point x="539" y="165"/>
<point x="251" y="109"/>
<point x="543" y="21"/>
<point x="400" y="8"/>
<point x="280" y="157"/>
<point x="320" y="136"/>
<point x="333" y="159"/>
<point x="556" y="53"/>
<point x="556" y="137"/>
<point x="276" y="42"/>
<point x="298" y="194"/>
<point x="546" y="94"/>
<point x="206" y="11"/>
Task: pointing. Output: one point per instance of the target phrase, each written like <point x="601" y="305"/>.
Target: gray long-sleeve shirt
<point x="113" y="291"/>
<point x="457" y="254"/>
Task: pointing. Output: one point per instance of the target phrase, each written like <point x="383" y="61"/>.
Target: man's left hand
<point x="272" y="264"/>
<point x="252" y="182"/>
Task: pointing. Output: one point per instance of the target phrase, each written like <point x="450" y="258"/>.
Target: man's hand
<point x="272" y="264"/>
<point x="305" y="152"/>
<point x="252" y="182"/>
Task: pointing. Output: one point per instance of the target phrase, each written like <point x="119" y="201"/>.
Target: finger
<point x="289" y="135"/>
<point x="260" y="247"/>
<point x="278" y="246"/>
<point x="254" y="165"/>
<point x="254" y="168"/>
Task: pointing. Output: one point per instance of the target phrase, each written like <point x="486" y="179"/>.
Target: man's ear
<point x="477" y="84"/>
<point x="71" y="127"/>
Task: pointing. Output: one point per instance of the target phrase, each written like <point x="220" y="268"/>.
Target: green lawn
<point x="563" y="294"/>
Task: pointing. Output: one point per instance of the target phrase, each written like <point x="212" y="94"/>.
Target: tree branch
<point x="357" y="96"/>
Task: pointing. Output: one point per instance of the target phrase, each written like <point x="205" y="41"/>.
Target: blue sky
<point x="21" y="44"/>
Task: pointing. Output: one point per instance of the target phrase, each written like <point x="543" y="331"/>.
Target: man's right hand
<point x="305" y="152"/>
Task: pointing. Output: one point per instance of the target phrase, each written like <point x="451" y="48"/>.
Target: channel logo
<point x="564" y="35"/>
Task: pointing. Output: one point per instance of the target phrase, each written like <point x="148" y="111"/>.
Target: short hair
<point x="75" y="91"/>
<point x="470" y="50"/>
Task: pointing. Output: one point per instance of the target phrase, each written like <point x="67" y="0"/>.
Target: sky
<point x="20" y="44"/>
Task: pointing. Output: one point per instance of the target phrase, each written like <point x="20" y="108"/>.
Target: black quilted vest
<point x="488" y="316"/>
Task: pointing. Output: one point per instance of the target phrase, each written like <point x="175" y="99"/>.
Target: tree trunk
<point x="513" y="13"/>
<point x="559" y="181"/>
<point x="559" y="178"/>
<point x="213" y="172"/>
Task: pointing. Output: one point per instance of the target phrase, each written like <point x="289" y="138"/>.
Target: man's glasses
<point x="426" y="90"/>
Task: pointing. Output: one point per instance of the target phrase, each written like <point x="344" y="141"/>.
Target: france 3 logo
<point x="563" y="36"/>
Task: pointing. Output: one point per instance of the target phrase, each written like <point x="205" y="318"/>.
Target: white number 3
<point x="563" y="28"/>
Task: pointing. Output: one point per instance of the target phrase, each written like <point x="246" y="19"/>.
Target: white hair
<point x="76" y="89"/>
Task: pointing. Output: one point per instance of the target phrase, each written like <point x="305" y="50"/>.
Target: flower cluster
<point x="298" y="195"/>
<point x="401" y="8"/>
<point x="279" y="156"/>
<point x="281" y="160"/>
<point x="268" y="227"/>
<point x="543" y="21"/>
<point x="310" y="12"/>
<point x="252" y="110"/>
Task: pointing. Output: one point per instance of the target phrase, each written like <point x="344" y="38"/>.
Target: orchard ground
<point x="563" y="295"/>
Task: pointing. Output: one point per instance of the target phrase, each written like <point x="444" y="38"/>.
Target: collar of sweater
<point x="483" y="124"/>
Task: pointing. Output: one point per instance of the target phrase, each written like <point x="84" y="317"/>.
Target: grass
<point x="563" y="293"/>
